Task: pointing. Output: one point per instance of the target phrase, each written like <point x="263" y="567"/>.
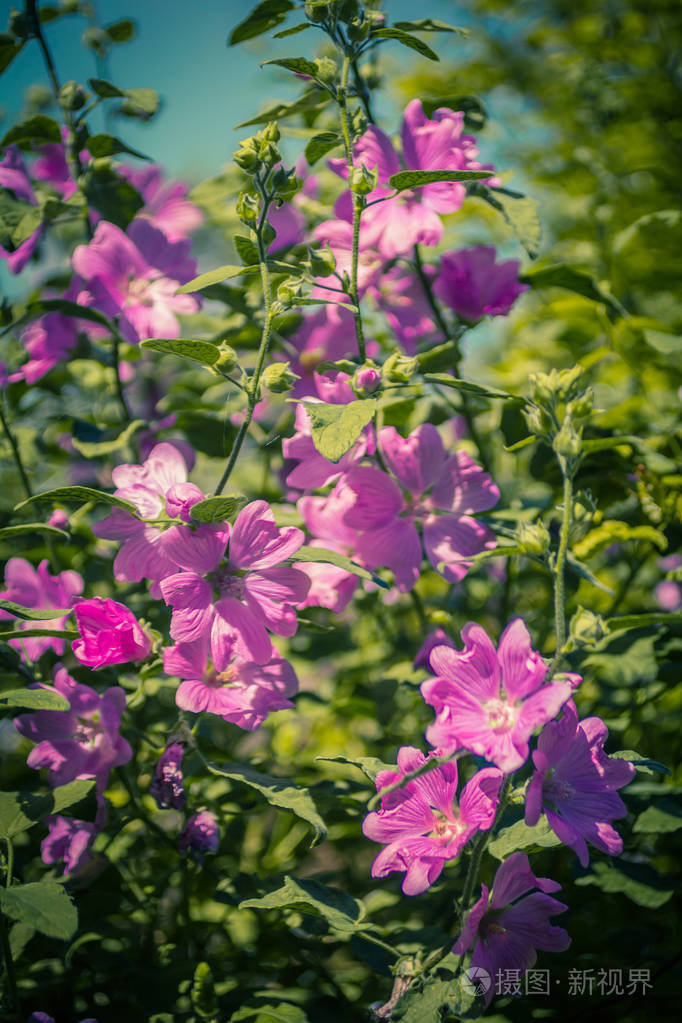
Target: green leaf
<point x="641" y="763"/>
<point x="33" y="699"/>
<point x="520" y="836"/>
<point x="661" y="817"/>
<point x="613" y="531"/>
<point x="79" y="495"/>
<point x="67" y="634"/>
<point x="639" y="882"/>
<point x="327" y="557"/>
<point x="644" y="620"/>
<point x="312" y="99"/>
<point x="19" y="811"/>
<point x="406" y="40"/>
<point x="480" y="390"/>
<point x="104" y="89"/>
<point x="223" y="273"/>
<point x="424" y="1003"/>
<point x="110" y="193"/>
<point x="340" y="910"/>
<point x="561" y="275"/>
<point x="38" y="129"/>
<point x="417" y="178"/>
<point x="320" y="145"/>
<point x="248" y="250"/>
<point x="146" y="100"/>
<point x="585" y="573"/>
<point x="198" y="351"/>
<point x="293" y="31"/>
<point x="335" y="428"/>
<point x="429" y="25"/>
<point x="218" y="509"/>
<point x="18" y="220"/>
<point x="121" y="31"/>
<point x="276" y="791"/>
<point x="66" y="308"/>
<point x="109" y="145"/>
<point x="43" y="905"/>
<point x="9" y="49"/>
<point x="33" y="613"/>
<point x="282" y="1012"/>
<point x="100" y="448"/>
<point x="520" y="212"/>
<point x="370" y="766"/>
<point x="7" y="532"/>
<point x="268" y="14"/>
<point x="299" y="65"/>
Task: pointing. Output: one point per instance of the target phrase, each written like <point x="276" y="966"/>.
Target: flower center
<point x="86" y="731"/>
<point x="230" y="584"/>
<point x="501" y="715"/>
<point x="444" y="830"/>
<point x="556" y="790"/>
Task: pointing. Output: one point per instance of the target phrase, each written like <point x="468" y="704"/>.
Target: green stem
<point x="10" y="863"/>
<point x="357" y="206"/>
<point x="560" y="574"/>
<point x="15" y="452"/>
<point x="4" y="936"/>
<point x="120" y="393"/>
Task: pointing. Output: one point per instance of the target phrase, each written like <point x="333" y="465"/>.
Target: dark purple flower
<point x="167" y="787"/>
<point x="201" y="833"/>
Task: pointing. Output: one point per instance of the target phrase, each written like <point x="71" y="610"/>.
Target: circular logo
<point x="476" y="981"/>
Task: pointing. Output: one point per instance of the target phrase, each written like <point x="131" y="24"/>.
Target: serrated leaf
<point x="445" y="380"/>
<point x="662" y="817"/>
<point x="198" y="351"/>
<point x="43" y="905"/>
<point x="38" y="129"/>
<point x="33" y="613"/>
<point x="613" y="531"/>
<point x="520" y="836"/>
<point x="300" y="65"/>
<point x="413" y="42"/>
<point x="100" y="448"/>
<point x="276" y="791"/>
<point x="79" y="495"/>
<point x="320" y="145"/>
<point x="644" y="620"/>
<point x="562" y="275"/>
<point x="423" y="1003"/>
<point x="33" y="699"/>
<point x="222" y="273"/>
<point x="520" y="212"/>
<point x="109" y="145"/>
<point x="218" y="509"/>
<point x="429" y="25"/>
<point x="7" y="532"/>
<point x="335" y="428"/>
<point x="268" y="14"/>
<point x="370" y="766"/>
<point x="327" y="557"/>
<point x="247" y="250"/>
<point x="417" y="178"/>
<point x="641" y="763"/>
<point x="639" y="882"/>
<point x="340" y="910"/>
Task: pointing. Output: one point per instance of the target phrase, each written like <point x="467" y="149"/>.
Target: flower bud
<point x="96" y="40"/>
<point x="227" y="360"/>
<point x="269" y="154"/>
<point x="327" y="70"/>
<point x="72" y="96"/>
<point x="246" y="156"/>
<point x="248" y="208"/>
<point x="285" y="183"/>
<point x="587" y="628"/>
<point x="568" y="441"/>
<point x="538" y="420"/>
<point x="277" y="377"/>
<point x="581" y="407"/>
<point x="366" y="380"/>
<point x="288" y="291"/>
<point x="201" y="834"/>
<point x="533" y="538"/>
<point x="271" y="132"/>
<point x="318" y="11"/>
<point x="322" y="262"/>
<point x="362" y="180"/>
<point x="167" y="784"/>
<point x="399" y="368"/>
<point x="359" y="29"/>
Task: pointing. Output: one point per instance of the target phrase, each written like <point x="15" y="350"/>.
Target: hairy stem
<point x="15" y="452"/>
<point x="357" y="207"/>
<point x="560" y="574"/>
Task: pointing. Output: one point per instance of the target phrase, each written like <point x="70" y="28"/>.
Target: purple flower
<point x="474" y="285"/>
<point x="36" y="588"/>
<point x="200" y="834"/>
<point x="237" y="602"/>
<point x="438" y="491"/>
<point x="575" y="784"/>
<point x="490" y="701"/>
<point x="438" y="637"/>
<point x="134" y="277"/>
<point x="69" y="840"/>
<point x="13" y="176"/>
<point x="401" y="298"/>
<point x="110" y="634"/>
<point x="81" y="742"/>
<point x="422" y="824"/>
<point x="330" y="586"/>
<point x="166" y="787"/>
<point x="165" y="204"/>
<point x="328" y="334"/>
<point x="243" y="693"/>
<point x="508" y="926"/>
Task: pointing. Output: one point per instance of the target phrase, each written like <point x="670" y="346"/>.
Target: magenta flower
<point x="437" y="491"/>
<point x="200" y="834"/>
<point x="575" y="784"/>
<point x="167" y="784"/>
<point x="474" y="285"/>
<point x="401" y="298"/>
<point x="508" y="926"/>
<point x="158" y="488"/>
<point x="438" y="637"/>
<point x="330" y="586"/>
<point x="491" y="701"/>
<point x="401" y="221"/>
<point x="422" y="824"/>
<point x="13" y="176"/>
<point x="239" y="600"/>
<point x="69" y="840"/>
<point x="165" y="204"/>
<point x="243" y="693"/>
<point x="82" y="742"/>
<point x="328" y="334"/>
<point x="133" y="277"/>
<point x="110" y="634"/>
<point x="36" y="588"/>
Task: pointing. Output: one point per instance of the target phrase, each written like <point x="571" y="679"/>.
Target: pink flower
<point x="13" y="176"/>
<point x="134" y="277"/>
<point x="326" y="335"/>
<point x="239" y="600"/>
<point x="474" y="285"/>
<point x="330" y="586"/>
<point x="82" y="742"/>
<point x="421" y="822"/>
<point x="507" y="927"/>
<point x="575" y="784"/>
<point x="166" y="787"/>
<point x="395" y="225"/>
<point x="201" y="834"/>
<point x="401" y="298"/>
<point x="490" y="701"/>
<point x="244" y="693"/>
<point x="166" y="206"/>
<point x="668" y="595"/>
<point x="438" y="637"/>
<point x="69" y="840"/>
<point x="36" y="588"/>
<point x="110" y="634"/>
<point x="437" y="491"/>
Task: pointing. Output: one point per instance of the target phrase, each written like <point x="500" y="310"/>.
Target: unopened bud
<point x="96" y="39"/>
<point x="538" y="421"/>
<point x="288" y="291"/>
<point x="318" y="10"/>
<point x="246" y="156"/>
<point x="359" y="29"/>
<point x="581" y="407"/>
<point x="568" y="441"/>
<point x="227" y="360"/>
<point x="72" y="96"/>
<point x="322" y="262"/>
<point x="277" y="377"/>
<point x="399" y="368"/>
<point x="533" y="538"/>
<point x="587" y="628"/>
<point x="362" y="180"/>
<point x="327" y="70"/>
<point x="285" y="183"/>
<point x="248" y="207"/>
<point x="366" y="380"/>
<point x="271" y="132"/>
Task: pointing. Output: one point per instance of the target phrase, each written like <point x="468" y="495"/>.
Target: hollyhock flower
<point x="509" y="925"/>
<point x="474" y="285"/>
<point x="200" y="833"/>
<point x="81" y="742"/>
<point x="330" y="586"/>
<point x="134" y="277"/>
<point x="575" y="784"/>
<point x="438" y="637"/>
<point x="326" y="335"/>
<point x="69" y="840"/>
<point x="437" y="491"/>
<point x="157" y="488"/>
<point x="165" y="204"/>
<point x="36" y="588"/>
<point x="401" y="298"/>
<point x="167" y="787"/>
<point x="422" y="824"/>
<point x="110" y="634"/>
<point x="668" y="595"/>
<point x="491" y="701"/>
<point x="401" y="221"/>
<point x="243" y="693"/>
<point x="13" y="176"/>
<point x="239" y="600"/>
